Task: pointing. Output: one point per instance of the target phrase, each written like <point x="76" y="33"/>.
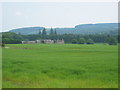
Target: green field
<point x="60" y="66"/>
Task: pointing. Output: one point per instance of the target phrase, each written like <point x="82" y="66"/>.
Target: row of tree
<point x="13" y="38"/>
<point x="111" y="41"/>
<point x="82" y="41"/>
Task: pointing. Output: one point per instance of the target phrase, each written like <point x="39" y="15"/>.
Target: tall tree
<point x="51" y="31"/>
<point x="39" y="33"/>
<point x="55" y="32"/>
<point x="44" y="32"/>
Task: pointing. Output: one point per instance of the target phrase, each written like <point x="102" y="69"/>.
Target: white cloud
<point x="21" y="14"/>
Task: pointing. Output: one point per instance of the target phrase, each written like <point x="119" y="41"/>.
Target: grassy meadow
<point x="60" y="66"/>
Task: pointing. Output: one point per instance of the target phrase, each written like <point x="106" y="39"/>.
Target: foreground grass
<point x="60" y="66"/>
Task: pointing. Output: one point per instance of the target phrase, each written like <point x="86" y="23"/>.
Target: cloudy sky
<point x="57" y="14"/>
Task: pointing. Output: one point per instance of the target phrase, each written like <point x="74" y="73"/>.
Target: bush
<point x="90" y="41"/>
<point x="42" y="41"/>
<point x="10" y="41"/>
<point x="112" y="41"/>
<point x="74" y="41"/>
<point x="2" y="45"/>
<point x="81" y="41"/>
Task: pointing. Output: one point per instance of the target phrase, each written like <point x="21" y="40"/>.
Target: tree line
<point x="13" y="38"/>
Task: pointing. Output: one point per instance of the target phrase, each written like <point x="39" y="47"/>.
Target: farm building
<point x="60" y="41"/>
<point x="28" y="42"/>
<point x="46" y="41"/>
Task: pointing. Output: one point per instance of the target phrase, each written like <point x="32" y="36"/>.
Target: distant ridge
<point x="27" y="30"/>
<point x="99" y="28"/>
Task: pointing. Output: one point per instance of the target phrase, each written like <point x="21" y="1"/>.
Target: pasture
<point x="60" y="66"/>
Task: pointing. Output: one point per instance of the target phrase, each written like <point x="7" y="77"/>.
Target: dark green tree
<point x="2" y="45"/>
<point x="112" y="41"/>
<point x="81" y="41"/>
<point x="39" y="33"/>
<point x="44" y="32"/>
<point x="90" y="41"/>
<point x="42" y="41"/>
<point x="74" y="41"/>
<point x="51" y="31"/>
<point x="55" y="32"/>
